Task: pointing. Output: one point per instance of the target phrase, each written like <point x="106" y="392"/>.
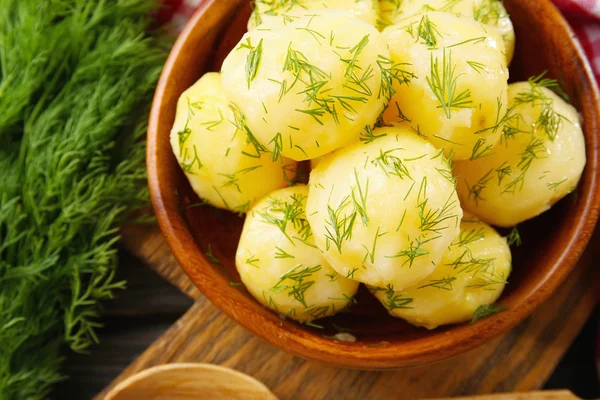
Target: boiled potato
<point x="287" y="10"/>
<point x="489" y="12"/>
<point x="383" y="213"/>
<point x="539" y="161"/>
<point x="224" y="163"/>
<point x="472" y="273"/>
<point x="453" y="90"/>
<point x="311" y="86"/>
<point x="280" y="265"/>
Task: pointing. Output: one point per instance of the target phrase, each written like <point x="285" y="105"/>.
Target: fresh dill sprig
<point x="233" y="179"/>
<point x="481" y="149"/>
<point x="188" y="167"/>
<point x="367" y="135"/>
<point x="488" y="11"/>
<point x="427" y="32"/>
<point x="395" y="299"/>
<point x="415" y="250"/>
<point x="350" y="274"/>
<point x="448" y="167"/>
<point x="283" y="213"/>
<point x="501" y="118"/>
<point x="360" y="200"/>
<point x="435" y="220"/>
<point x="391" y="73"/>
<point x="477" y="66"/>
<point x="240" y="124"/>
<point x="339" y="227"/>
<point x="211" y="125"/>
<point x="277" y="144"/>
<point x="253" y="59"/>
<point x="391" y="164"/>
<point x="475" y="191"/>
<point x="448" y="6"/>
<point x="355" y="52"/>
<point x="443" y="82"/>
<point x="503" y="171"/>
<point x="444" y="283"/>
<point x="467" y="237"/>
<point x="252" y="260"/>
<point x="333" y="276"/>
<point x="296" y="282"/>
<point x="313" y="33"/>
<point x="401" y="116"/>
<point x="548" y="120"/>
<point x="211" y="257"/>
<point x="467" y="264"/>
<point x="370" y="253"/>
<point x="514" y="237"/>
<point x="476" y="40"/>
<point x="554" y="185"/>
<point x="534" y="149"/>
<point x="280" y="253"/>
<point x="485" y="311"/>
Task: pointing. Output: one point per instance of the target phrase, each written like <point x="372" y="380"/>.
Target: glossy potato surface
<point x="384" y="212"/>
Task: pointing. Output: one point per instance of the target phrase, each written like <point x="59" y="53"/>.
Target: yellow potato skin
<point x="463" y="51"/>
<point x="527" y="172"/>
<point x="472" y="273"/>
<point x="276" y="260"/>
<point x="265" y="10"/>
<point x="383" y="213"/>
<point x="305" y="95"/>
<point x="489" y="12"/>
<point x="221" y="166"/>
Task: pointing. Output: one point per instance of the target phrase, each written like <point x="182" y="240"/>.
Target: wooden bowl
<point x="190" y="382"/>
<point x="553" y="242"/>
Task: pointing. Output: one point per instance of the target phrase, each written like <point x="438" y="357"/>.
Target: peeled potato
<point x="265" y="10"/>
<point x="539" y="160"/>
<point x="383" y="213"/>
<point x="311" y="86"/>
<point x="224" y="163"/>
<point x="453" y="90"/>
<point x="472" y="273"/>
<point x="280" y="265"/>
<point x="489" y="12"/>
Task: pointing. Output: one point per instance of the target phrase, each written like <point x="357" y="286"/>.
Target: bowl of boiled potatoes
<point x="376" y="184"/>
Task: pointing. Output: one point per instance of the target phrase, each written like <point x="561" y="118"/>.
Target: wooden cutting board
<point x="518" y="361"/>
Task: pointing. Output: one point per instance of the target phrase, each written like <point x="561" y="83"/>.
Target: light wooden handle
<point x="190" y="381"/>
<point x="542" y="395"/>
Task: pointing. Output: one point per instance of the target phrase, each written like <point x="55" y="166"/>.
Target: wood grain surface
<point x="545" y="395"/>
<point x="519" y="361"/>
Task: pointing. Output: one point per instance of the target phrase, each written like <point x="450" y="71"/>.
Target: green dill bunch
<point x="309" y="86"/>
<point x="457" y="97"/>
<point x="222" y="159"/>
<point x="539" y="160"/>
<point x="489" y="12"/>
<point x="472" y="274"/>
<point x="287" y="10"/>
<point x="280" y="265"/>
<point x="384" y="211"/>
<point x="76" y="82"/>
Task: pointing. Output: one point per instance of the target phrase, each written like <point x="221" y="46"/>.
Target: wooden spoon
<point x="190" y="381"/>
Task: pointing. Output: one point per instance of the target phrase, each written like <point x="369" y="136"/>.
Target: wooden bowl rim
<point x="424" y="350"/>
<point x="199" y="367"/>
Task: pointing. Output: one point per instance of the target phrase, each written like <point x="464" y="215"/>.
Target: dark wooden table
<point x="150" y="305"/>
